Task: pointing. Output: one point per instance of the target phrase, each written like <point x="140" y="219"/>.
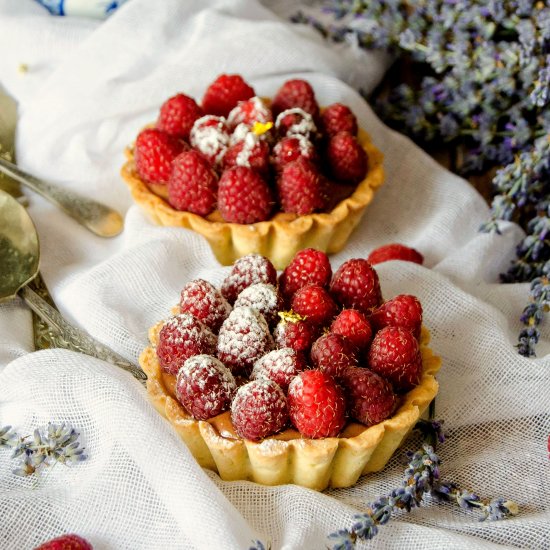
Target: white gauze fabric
<point x="90" y="87"/>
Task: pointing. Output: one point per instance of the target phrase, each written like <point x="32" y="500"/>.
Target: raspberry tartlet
<point x="254" y="175"/>
<point x="262" y="400"/>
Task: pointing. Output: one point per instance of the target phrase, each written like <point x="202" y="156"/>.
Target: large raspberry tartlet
<point x="254" y="175"/>
<point x="316" y="399"/>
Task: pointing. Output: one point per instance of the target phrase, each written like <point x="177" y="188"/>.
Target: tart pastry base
<point x="288" y="457"/>
<point x="278" y="238"/>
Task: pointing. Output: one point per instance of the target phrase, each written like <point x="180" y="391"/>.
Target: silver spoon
<point x="19" y="259"/>
<point x="98" y="218"/>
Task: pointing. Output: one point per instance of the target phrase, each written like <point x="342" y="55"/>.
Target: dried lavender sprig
<point x="421" y="478"/>
<point x="55" y="443"/>
<point x="8" y="437"/>
<point x="533" y="314"/>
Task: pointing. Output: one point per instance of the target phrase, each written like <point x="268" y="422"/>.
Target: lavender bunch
<point x="421" y="478"/>
<point x="55" y="443"/>
<point x="485" y="86"/>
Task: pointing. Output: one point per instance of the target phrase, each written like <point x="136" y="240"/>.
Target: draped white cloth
<point x="88" y="89"/>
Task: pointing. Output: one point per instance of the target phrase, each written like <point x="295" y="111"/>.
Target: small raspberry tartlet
<point x="318" y="402"/>
<point x="254" y="175"/>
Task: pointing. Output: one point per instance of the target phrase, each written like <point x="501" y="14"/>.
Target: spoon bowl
<point x="19" y="260"/>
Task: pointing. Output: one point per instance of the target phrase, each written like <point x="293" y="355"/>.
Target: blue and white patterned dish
<point x="98" y="9"/>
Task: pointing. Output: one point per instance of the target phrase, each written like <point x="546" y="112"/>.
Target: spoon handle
<point x="97" y="217"/>
<point x="78" y="339"/>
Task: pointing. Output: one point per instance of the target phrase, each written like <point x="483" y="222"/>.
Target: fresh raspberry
<point x="205" y="302"/>
<point x="395" y="355"/>
<point x="181" y="337"/>
<point x="295" y="93"/>
<point x="263" y="297"/>
<point x="355" y="285"/>
<point x="244" y="196"/>
<point x="370" y="397"/>
<point x="205" y="386"/>
<point x="248" y="112"/>
<point x="293" y="331"/>
<point x="193" y="184"/>
<point x="402" y="311"/>
<point x="291" y="148"/>
<point x="347" y="160"/>
<point x="296" y="122"/>
<point x="210" y="136"/>
<point x="259" y="409"/>
<point x="314" y="303"/>
<point x="338" y="118"/>
<point x="279" y="365"/>
<point x="252" y="152"/>
<point x="354" y="326"/>
<point x="316" y="404"/>
<point x="246" y="271"/>
<point x="301" y="188"/>
<point x="332" y="353"/>
<point x="244" y="337"/>
<point x="66" y="542"/>
<point x="395" y="251"/>
<point x="225" y="93"/>
<point x="307" y="266"/>
<point x="177" y="116"/>
<point x="154" y="152"/>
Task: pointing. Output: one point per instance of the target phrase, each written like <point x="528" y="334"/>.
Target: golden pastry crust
<point x="278" y="238"/>
<point x="288" y="457"/>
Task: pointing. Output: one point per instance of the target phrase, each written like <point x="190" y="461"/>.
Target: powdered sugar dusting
<point x="251" y="110"/>
<point x="305" y="126"/>
<point x="244" y="336"/>
<point x="280" y="365"/>
<point x="209" y="135"/>
<point x="250" y="142"/>
<point x="262" y="296"/>
<point x="239" y="133"/>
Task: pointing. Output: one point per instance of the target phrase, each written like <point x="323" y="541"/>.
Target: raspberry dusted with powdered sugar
<point x="395" y="355"/>
<point x="205" y="302"/>
<point x="291" y="148"/>
<point x="246" y="271"/>
<point x="263" y="297"/>
<point x="259" y="409"/>
<point x="301" y="188"/>
<point x="244" y="337"/>
<point x="210" y="136"/>
<point x="404" y="311"/>
<point x="355" y="285"/>
<point x="205" y="386"/>
<point x="354" y="326"/>
<point x="294" y="331"/>
<point x="347" y="160"/>
<point x="296" y="122"/>
<point x="248" y="112"/>
<point x="193" y="184"/>
<point x="178" y="114"/>
<point x="181" y="337"/>
<point x="338" y="118"/>
<point x="154" y="152"/>
<point x="279" y="365"/>
<point x="395" y="251"/>
<point x="295" y="93"/>
<point x="332" y="353"/>
<point x="316" y="404"/>
<point x="370" y="397"/>
<point x="307" y="266"/>
<point x="244" y="196"/>
<point x="251" y="152"/>
<point x="225" y="93"/>
<point x="315" y="304"/>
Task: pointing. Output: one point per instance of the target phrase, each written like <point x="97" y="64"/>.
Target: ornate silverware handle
<point x="78" y="339"/>
<point x="97" y="217"/>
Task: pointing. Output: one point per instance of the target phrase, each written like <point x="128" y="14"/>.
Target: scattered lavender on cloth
<point x="421" y="478"/>
<point x="484" y="85"/>
<point x="52" y="444"/>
